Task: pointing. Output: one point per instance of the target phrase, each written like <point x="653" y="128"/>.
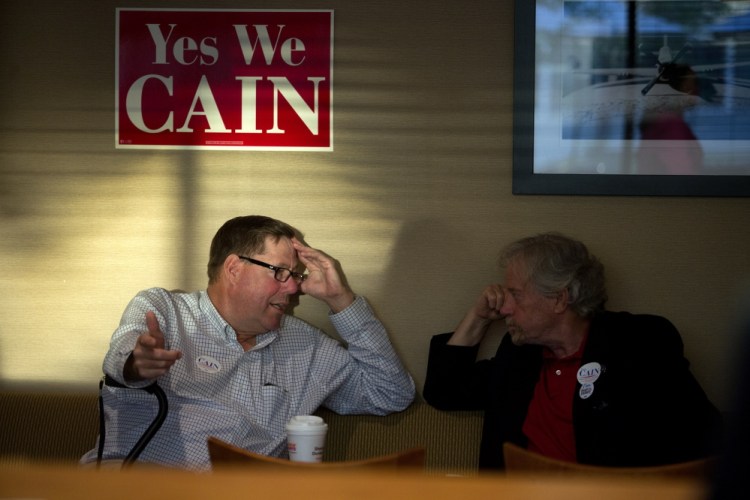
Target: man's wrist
<point x="341" y="302"/>
<point x="470" y="331"/>
<point x="129" y="372"/>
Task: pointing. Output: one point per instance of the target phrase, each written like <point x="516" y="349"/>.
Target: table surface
<point x="71" y="482"/>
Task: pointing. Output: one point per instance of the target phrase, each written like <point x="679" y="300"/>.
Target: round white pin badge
<point x="208" y="364"/>
<point x="589" y="373"/>
<point x="586" y="391"/>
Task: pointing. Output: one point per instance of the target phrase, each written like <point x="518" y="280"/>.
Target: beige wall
<point x="415" y="200"/>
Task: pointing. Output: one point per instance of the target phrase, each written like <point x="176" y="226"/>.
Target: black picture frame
<point x="527" y="180"/>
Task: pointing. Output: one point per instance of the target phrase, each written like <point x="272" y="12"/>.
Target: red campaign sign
<point x="224" y="79"/>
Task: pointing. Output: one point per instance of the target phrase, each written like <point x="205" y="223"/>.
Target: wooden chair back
<point x="224" y="454"/>
<point x="519" y="460"/>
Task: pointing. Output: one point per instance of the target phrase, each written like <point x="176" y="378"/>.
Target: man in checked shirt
<point x="233" y="364"/>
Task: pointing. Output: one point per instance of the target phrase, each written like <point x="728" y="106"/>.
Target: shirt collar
<point x="221" y="325"/>
<point x="577" y="356"/>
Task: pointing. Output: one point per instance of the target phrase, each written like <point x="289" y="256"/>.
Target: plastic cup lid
<point x="301" y="422"/>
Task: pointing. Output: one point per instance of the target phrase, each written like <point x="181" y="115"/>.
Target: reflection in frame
<point x="622" y="97"/>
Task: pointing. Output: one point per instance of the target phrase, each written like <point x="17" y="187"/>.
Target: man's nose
<point x="291" y="286"/>
<point x="507" y="307"/>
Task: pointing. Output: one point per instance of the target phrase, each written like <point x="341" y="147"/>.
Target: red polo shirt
<point x="549" y="421"/>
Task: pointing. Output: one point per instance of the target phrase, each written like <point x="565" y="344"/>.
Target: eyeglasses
<point x="281" y="274"/>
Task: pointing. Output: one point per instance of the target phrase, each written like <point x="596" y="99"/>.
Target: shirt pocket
<point x="273" y="409"/>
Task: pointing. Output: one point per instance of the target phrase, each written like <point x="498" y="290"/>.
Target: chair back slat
<point x="520" y="460"/>
<point x="225" y="454"/>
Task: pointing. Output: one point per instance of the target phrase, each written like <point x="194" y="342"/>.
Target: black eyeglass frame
<point x="281" y="274"/>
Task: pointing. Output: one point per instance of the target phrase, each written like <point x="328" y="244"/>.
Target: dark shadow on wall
<point x="433" y="276"/>
<point x="730" y="481"/>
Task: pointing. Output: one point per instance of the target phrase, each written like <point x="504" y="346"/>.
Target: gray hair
<point x="553" y="263"/>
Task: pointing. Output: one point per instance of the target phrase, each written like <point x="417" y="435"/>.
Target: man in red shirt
<point x="571" y="380"/>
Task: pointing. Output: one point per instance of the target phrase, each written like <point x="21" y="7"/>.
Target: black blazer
<point x="646" y="407"/>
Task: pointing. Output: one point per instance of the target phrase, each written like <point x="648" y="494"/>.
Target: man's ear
<point x="232" y="267"/>
<point x="562" y="301"/>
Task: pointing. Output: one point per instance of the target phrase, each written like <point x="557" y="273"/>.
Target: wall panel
<point x="415" y="200"/>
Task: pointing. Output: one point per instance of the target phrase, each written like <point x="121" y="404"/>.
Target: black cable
<point x="161" y="415"/>
<point x="149" y="433"/>
<point x="100" y="450"/>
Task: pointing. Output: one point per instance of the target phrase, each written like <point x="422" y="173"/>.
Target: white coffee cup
<point x="306" y="438"/>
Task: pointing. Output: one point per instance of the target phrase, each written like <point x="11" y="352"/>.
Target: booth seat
<point x="38" y="426"/>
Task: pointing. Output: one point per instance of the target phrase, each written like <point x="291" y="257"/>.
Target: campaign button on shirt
<point x="589" y="373"/>
<point x="208" y="364"/>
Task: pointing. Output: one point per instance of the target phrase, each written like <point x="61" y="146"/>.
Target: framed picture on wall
<point x="647" y="97"/>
